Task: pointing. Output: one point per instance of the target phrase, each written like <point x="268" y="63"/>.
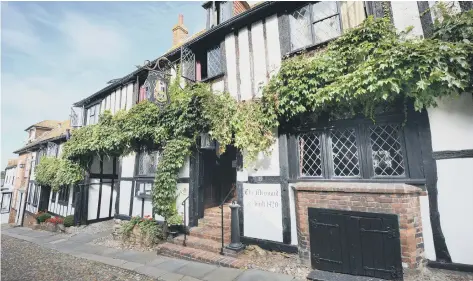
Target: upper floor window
<point x="218" y="12"/>
<point x="147" y="163"/>
<point x="93" y="113"/>
<point x="209" y="63"/>
<point x="314" y="24"/>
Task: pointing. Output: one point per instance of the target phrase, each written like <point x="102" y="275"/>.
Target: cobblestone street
<point x="23" y="260"/>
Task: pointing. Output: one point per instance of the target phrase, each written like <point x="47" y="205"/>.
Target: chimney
<point x="179" y="32"/>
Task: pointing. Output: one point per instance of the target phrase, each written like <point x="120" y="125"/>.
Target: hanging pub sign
<point x="155" y="89"/>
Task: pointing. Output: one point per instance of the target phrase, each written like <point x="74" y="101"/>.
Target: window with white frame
<point x="147" y="163"/>
<point x="314" y="24"/>
<point x="93" y="113"/>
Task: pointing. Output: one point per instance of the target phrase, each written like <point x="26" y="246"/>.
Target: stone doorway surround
<point x="389" y="198"/>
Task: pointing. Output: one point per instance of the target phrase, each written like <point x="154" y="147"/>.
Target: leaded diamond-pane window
<point x="345" y="153"/>
<point x="299" y="22"/>
<point x="310" y="156"/>
<point x="314" y="23"/>
<point x="214" y="61"/>
<point x="147" y="163"/>
<point x="386" y="148"/>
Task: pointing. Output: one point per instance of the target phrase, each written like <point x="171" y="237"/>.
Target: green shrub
<point x="69" y="221"/>
<point x="43" y="217"/>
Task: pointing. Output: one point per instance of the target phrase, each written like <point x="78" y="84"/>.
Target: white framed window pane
<point x="299" y="23"/>
<point x="322" y="10"/>
<point x="327" y="29"/>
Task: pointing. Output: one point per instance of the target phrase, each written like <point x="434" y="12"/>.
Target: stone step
<point x="216" y="212"/>
<point x="215" y="223"/>
<point x="210" y="233"/>
<point x="188" y="253"/>
<point x="198" y="243"/>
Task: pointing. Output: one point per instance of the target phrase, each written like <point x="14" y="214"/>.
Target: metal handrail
<point x="221" y="215"/>
<point x="185" y="225"/>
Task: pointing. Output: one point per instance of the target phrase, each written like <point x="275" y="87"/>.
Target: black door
<point x="226" y="172"/>
<point x="44" y="198"/>
<point x="356" y="243"/>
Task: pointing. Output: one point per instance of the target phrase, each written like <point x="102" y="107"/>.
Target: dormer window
<point x="218" y="12"/>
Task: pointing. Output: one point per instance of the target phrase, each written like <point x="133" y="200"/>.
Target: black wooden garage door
<point x="355" y="243"/>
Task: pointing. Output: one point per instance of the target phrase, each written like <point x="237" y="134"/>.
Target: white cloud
<point x="94" y="40"/>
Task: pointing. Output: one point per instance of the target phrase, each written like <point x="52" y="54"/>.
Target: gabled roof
<point x="57" y="133"/>
<point x="49" y="124"/>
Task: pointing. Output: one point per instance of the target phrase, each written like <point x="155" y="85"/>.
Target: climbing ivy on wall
<point x="373" y="65"/>
<point x="57" y="172"/>
<point x="368" y="66"/>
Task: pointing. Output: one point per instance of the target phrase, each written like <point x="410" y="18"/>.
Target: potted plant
<point x="55" y="223"/>
<point x="175" y="225"/>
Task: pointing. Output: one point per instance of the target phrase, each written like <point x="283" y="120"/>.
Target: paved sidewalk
<point x="147" y="263"/>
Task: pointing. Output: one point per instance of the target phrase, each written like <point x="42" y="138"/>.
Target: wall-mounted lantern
<point x="22" y="166"/>
<point x="206" y="141"/>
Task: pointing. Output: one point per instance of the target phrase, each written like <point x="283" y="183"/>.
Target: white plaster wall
<point x="266" y="165"/>
<point x="137" y="203"/>
<point x="70" y="209"/>
<point x="262" y="212"/>
<point x="112" y="103"/>
<point x="244" y="64"/>
<point x="455" y="197"/>
<point x="451" y="123"/>
<point x="218" y="86"/>
<point x="107" y="107"/>
<point x="128" y="165"/>
<point x="102" y="105"/>
<point x="93" y="199"/>
<point x="274" y="50"/>
<point x="259" y="58"/>
<point x="148" y="208"/>
<point x="184" y="171"/>
<point x="429" y="249"/>
<point x="129" y="96"/>
<point x="292" y="209"/>
<point x="182" y="194"/>
<point x="406" y="14"/>
<point x="125" y="193"/>
<point x="230" y="55"/>
<point x="105" y="201"/>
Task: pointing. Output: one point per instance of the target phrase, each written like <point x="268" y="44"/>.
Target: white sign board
<point x="262" y="211"/>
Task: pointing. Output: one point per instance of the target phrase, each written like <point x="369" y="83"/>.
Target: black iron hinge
<point x="391" y="232"/>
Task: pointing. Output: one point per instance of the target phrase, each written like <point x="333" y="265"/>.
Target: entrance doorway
<point x="217" y="176"/>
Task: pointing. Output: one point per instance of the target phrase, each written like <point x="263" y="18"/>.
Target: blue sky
<point x="56" y="53"/>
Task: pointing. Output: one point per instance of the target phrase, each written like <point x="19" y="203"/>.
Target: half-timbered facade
<point x="34" y="197"/>
<point x="336" y="163"/>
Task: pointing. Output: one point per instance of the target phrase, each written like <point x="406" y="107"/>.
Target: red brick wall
<point x="12" y="216"/>
<point x="30" y="220"/>
<point x="239" y="7"/>
<point x="405" y="205"/>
